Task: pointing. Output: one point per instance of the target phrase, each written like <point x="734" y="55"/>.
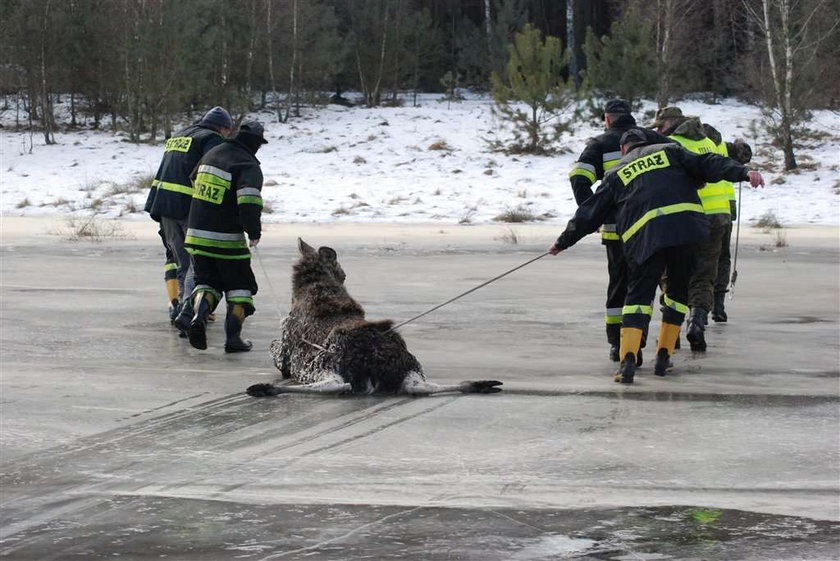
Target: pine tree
<point x="534" y="77"/>
<point x="623" y="62"/>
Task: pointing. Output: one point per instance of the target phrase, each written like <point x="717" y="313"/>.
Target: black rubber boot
<point x="614" y="339"/>
<point x="197" y="332"/>
<point x="696" y="329"/>
<point x="627" y="370"/>
<point x="719" y="312"/>
<point x="233" y="328"/>
<point x="182" y="321"/>
<point x="663" y="363"/>
<point x="174" y="310"/>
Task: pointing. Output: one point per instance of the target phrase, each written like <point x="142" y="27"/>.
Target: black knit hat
<point x="633" y="136"/>
<point x="618" y="106"/>
<point x="253" y="128"/>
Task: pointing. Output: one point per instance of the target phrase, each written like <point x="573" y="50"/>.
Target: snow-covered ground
<point x="408" y="164"/>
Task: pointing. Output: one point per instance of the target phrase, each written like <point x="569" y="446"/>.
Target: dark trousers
<point x="233" y="277"/>
<point x="174" y="232"/>
<point x="616" y="290"/>
<point x="678" y="262"/>
<point x="724" y="262"/>
<point x="701" y="286"/>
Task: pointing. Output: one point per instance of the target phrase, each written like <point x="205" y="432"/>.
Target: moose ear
<point x="305" y="248"/>
<point x="327" y="253"/>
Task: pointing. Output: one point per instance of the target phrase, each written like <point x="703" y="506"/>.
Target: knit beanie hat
<point x="217" y="117"/>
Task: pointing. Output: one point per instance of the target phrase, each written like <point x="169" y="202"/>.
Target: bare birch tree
<point x="792" y="41"/>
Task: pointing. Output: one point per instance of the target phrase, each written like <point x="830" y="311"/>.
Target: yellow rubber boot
<point x="172" y="294"/>
<point x="631" y="342"/>
<point x="668" y="335"/>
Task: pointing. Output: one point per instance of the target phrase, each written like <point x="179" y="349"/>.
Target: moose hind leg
<point x="416" y="384"/>
<point x="329" y="383"/>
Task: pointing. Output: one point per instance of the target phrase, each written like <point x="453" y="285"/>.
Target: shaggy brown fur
<point x="327" y="345"/>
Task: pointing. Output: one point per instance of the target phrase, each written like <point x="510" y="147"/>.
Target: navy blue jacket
<point x="653" y="191"/>
<point x="172" y="190"/>
<point x="227" y="203"/>
<point x="600" y="155"/>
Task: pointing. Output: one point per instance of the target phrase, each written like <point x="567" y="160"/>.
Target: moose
<point x="327" y="346"/>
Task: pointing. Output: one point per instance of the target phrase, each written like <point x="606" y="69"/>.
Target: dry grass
<point x="509" y="236"/>
<point x="517" y="215"/>
<point x="768" y="221"/>
<point x="91" y="228"/>
<point x="440" y="145"/>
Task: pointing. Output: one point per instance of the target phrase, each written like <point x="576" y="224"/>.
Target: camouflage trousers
<point x="701" y="288"/>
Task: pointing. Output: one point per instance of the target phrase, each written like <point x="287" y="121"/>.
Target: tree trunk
<point x="269" y="44"/>
<point x="781" y="86"/>
<point x="48" y="118"/>
<point x="293" y="66"/>
<point x="570" y="41"/>
<point x="787" y="105"/>
<point x="249" y="64"/>
<point x="397" y="45"/>
<point x="374" y="98"/>
<point x="488" y="31"/>
<point x="665" y="22"/>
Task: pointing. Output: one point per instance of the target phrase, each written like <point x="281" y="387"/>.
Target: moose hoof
<point x="483" y="386"/>
<point x="261" y="390"/>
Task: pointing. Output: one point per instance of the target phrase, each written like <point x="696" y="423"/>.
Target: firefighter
<point x="652" y="192"/>
<point x="170" y="280"/>
<point x="715" y="197"/>
<point x="224" y="221"/>
<point x="171" y="194"/>
<point x="599" y="156"/>
<point x="741" y="152"/>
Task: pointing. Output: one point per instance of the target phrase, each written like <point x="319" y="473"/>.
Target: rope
<point x="494" y="279"/>
<point x="274" y="293"/>
<point x="265" y="273"/>
<point x="737" y="240"/>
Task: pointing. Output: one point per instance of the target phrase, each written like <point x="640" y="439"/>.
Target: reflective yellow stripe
<point x="257" y="201"/>
<point x="719" y="188"/>
<point x="170" y="266"/>
<point x="185" y="189"/>
<point x="609" y="236"/>
<point x="213" y="180"/>
<point x="193" y="251"/>
<point x="637" y="309"/>
<point x="235" y="244"/>
<point x="611" y="164"/>
<point x="661" y="211"/>
<point x="643" y="164"/>
<point x="612" y="320"/>
<point x="178" y="144"/>
<point x="702" y="146"/>
<point x="583" y="172"/>
<point x="717" y="204"/>
<point x="674" y="305"/>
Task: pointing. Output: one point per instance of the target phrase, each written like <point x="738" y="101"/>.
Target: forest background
<point x="141" y="66"/>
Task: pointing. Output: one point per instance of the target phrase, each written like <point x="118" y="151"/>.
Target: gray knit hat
<point x="217" y="117"/>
